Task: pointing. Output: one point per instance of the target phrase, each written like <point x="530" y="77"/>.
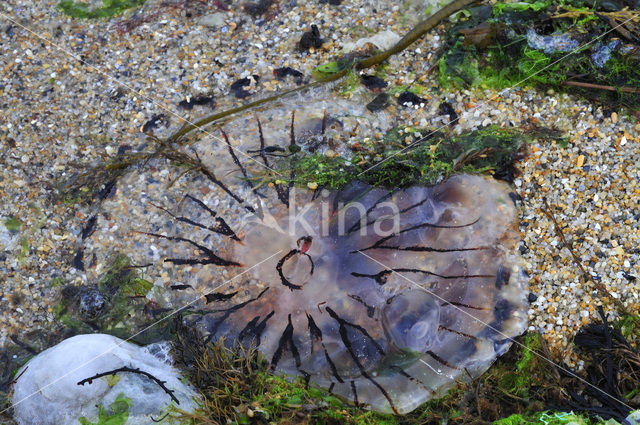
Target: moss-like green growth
<point x="116" y="305"/>
<point x="411" y="156"/>
<point x="238" y="388"/>
<point x="108" y="9"/>
<point x="13" y="224"/>
<point x="498" y="50"/>
<point x="117" y="414"/>
<point x="548" y="418"/>
<point x="629" y="326"/>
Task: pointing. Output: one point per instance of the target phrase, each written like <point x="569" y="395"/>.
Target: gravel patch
<point x="78" y="101"/>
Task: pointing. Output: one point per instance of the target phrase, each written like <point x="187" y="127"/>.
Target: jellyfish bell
<point x="385" y="298"/>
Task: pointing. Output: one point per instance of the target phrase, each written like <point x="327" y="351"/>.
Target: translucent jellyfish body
<point x="386" y="298"/>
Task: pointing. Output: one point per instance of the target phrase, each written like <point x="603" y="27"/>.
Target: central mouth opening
<point x="296" y="267"/>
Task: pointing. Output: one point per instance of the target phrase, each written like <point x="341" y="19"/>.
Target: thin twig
<point x="601" y="87"/>
<point x="131" y="370"/>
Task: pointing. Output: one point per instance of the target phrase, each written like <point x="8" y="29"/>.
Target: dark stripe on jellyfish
<point x="359" y="328"/>
<point x="442" y="361"/>
<point x="404" y="373"/>
<point x="347" y="343"/>
<point x="287" y="339"/>
<point x="292" y="149"/>
<point x="218" y="296"/>
<point x="381" y="277"/>
<point x="283" y="194"/>
<point x="424" y="249"/>
<point x="369" y="223"/>
<point x="379" y="243"/>
<point x="235" y="158"/>
<point x="222" y="186"/>
<point x="263" y="153"/>
<point x="457" y="304"/>
<point x="370" y="309"/>
<point x="255" y="329"/>
<point x="211" y="257"/>
<point x="287" y="256"/>
<point x="355" y="394"/>
<point x="230" y="310"/>
<point x="222" y="227"/>
<point x="356" y="225"/>
<point x="458" y="332"/>
<point x="502" y="277"/>
<point x="316" y="334"/>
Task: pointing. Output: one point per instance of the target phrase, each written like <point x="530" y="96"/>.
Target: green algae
<point x="410" y="156"/>
<point x="547" y="418"/>
<point x="108" y="9"/>
<point x="120" y="299"/>
<point x="508" y="59"/>
<point x="117" y="414"/>
<point x="13" y="224"/>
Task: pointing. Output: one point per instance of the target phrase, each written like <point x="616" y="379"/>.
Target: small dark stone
<point x="629" y="277"/>
<point x="122" y="149"/>
<point x="515" y="197"/>
<point x="372" y="82"/>
<point x="286" y="71"/>
<point x="532" y="297"/>
<point x="379" y="103"/>
<point x="331" y="2"/>
<point x="311" y="39"/>
<point x="89" y="228"/>
<point x="445" y="108"/>
<point x="152" y="123"/>
<point x="199" y="100"/>
<point x="108" y="190"/>
<point x="409" y="99"/>
<point x="77" y="260"/>
<point x="239" y="87"/>
<point x="90" y="302"/>
<point x="257" y="8"/>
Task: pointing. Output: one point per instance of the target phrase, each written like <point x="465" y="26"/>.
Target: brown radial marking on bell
<point x="347" y="343"/>
<point x="458" y="332"/>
